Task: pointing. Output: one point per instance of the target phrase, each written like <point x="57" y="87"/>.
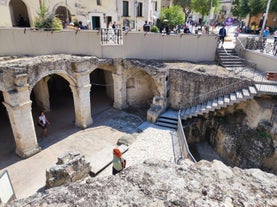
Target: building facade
<point x="94" y="14"/>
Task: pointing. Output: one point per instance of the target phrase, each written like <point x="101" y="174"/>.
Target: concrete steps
<point x="228" y="58"/>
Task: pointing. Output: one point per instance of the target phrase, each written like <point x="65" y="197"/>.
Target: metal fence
<point x="261" y="44"/>
<point x="111" y="36"/>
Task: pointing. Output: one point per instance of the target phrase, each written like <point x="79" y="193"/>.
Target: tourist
<point x="222" y="34"/>
<point x="43" y="122"/>
<point x="119" y="163"/>
<point x="146" y="27"/>
<point x="266" y="32"/>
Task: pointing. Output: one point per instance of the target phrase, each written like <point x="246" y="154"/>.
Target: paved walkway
<point x="28" y="175"/>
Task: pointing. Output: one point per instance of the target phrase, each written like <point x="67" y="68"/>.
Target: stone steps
<point x="169" y="119"/>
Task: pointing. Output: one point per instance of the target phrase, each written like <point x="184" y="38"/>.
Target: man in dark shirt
<point x="222" y="34"/>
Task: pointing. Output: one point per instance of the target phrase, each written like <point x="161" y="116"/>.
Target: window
<point x="98" y="2"/>
<point x="155" y="5"/>
<point x="125" y="8"/>
<point x="139" y="9"/>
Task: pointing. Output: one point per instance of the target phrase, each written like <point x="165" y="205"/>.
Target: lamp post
<point x="265" y="18"/>
<point x="135" y="13"/>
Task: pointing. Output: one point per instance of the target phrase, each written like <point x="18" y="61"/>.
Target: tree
<point x="172" y="16"/>
<point x="45" y="20"/>
<point x="204" y="6"/>
<point x="273" y="6"/>
<point x="186" y="6"/>
<point x="256" y="6"/>
<point x="240" y="8"/>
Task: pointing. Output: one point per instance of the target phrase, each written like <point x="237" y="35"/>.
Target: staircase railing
<point x="250" y="81"/>
<point x="245" y="61"/>
<point x="184" y="148"/>
<point x="219" y="92"/>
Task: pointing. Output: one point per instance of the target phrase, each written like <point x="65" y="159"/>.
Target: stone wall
<point x="188" y="86"/>
<point x="243" y="134"/>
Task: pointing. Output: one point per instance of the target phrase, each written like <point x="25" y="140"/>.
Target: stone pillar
<point x="81" y="96"/>
<point x="119" y="81"/>
<point x="160" y="101"/>
<point x="18" y="105"/>
<point x="42" y="94"/>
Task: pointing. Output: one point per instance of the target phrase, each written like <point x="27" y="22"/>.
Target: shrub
<point x="47" y="21"/>
<point x="154" y="29"/>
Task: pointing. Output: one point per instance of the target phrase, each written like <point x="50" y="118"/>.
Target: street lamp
<point x="265" y="18"/>
<point x="135" y="13"/>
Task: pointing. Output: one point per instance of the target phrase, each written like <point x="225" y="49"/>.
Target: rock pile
<point x="70" y="167"/>
<point x="162" y="183"/>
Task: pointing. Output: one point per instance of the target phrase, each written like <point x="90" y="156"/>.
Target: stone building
<point x="94" y="14"/>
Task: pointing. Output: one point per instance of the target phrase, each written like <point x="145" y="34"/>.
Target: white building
<point x="95" y="14"/>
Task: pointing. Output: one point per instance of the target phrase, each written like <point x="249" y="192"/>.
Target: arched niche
<point x="102" y="92"/>
<point x="19" y="14"/>
<point x="63" y="13"/>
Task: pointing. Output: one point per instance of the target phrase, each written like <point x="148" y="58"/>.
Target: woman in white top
<point x="43" y="122"/>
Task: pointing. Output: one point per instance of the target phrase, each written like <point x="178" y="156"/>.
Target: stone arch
<point x="141" y="88"/>
<point x="63" y="12"/>
<point x="37" y="77"/>
<point x="102" y="88"/>
<point x="19" y="13"/>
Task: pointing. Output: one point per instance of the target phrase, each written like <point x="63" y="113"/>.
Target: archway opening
<point x="140" y="90"/>
<point x="7" y="142"/>
<point x="53" y="95"/>
<point x="19" y="14"/>
<point x="101" y="92"/>
<point x="63" y="14"/>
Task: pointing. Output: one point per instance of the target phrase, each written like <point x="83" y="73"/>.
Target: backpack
<point x="123" y="163"/>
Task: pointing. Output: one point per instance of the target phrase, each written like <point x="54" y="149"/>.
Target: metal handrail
<point x="224" y="90"/>
<point x="183" y="141"/>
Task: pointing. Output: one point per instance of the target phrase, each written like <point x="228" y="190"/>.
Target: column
<point x="81" y="96"/>
<point x="18" y="105"/>
<point x="119" y="82"/>
<point x="42" y="94"/>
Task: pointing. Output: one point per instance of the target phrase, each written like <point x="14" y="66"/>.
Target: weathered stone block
<point x="70" y="167"/>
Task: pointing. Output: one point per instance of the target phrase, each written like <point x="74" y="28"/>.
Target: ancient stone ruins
<point x="160" y="183"/>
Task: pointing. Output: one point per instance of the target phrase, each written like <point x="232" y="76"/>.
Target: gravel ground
<point x="153" y="142"/>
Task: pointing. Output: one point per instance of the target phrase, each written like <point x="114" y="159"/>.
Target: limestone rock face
<point x="161" y="183"/>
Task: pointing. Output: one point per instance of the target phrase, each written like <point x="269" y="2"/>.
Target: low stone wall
<point x="70" y="167"/>
<point x="20" y="41"/>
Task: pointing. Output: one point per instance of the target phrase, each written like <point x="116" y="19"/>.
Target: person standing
<point x="43" y="122"/>
<point x="222" y="34"/>
<point x="266" y="32"/>
<point x="119" y="163"/>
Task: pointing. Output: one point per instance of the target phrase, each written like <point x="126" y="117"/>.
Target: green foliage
<point x="204" y="6"/>
<point x="173" y="15"/>
<point x="154" y="29"/>
<point x="241" y="8"/>
<point x="186" y="6"/>
<point x="46" y="21"/>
